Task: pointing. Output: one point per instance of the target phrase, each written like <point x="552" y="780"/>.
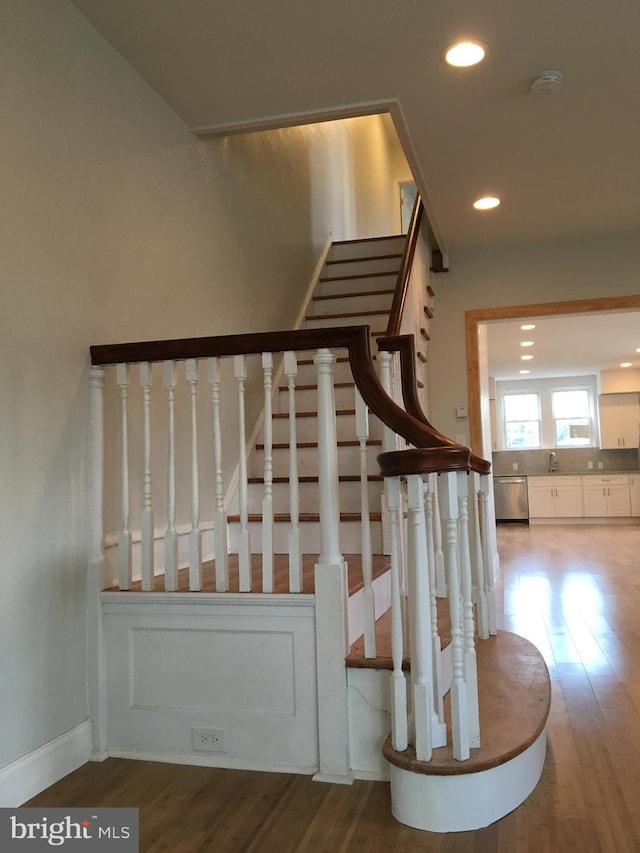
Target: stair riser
<point x="307" y="457"/>
<point x="307" y="399"/>
<point x="349" y="497"/>
<point x="307" y="429"/>
<point x="366" y="266"/>
<point x="350" y="537"/>
<point x="368" y="248"/>
<point x="353" y="285"/>
<point x="371" y="302"/>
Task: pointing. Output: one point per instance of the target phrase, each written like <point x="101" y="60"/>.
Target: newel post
<point x="331" y="593"/>
<point x="97" y="570"/>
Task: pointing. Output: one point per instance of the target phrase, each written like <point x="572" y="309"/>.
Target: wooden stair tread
<point x="280" y="574"/>
<point x="364" y="258"/>
<point x="315" y="387"/>
<point x="514" y="692"/>
<point x="302" y="445"/>
<point x="369" y="239"/>
<point x="383" y="659"/>
<point x="361" y="294"/>
<point x="356" y="275"/>
<point x="313" y="414"/>
<point x="348" y="314"/>
<point x="342" y="478"/>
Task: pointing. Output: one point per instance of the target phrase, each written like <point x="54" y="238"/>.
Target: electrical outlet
<point x="589" y="465"/>
<point x="600" y="465"/>
<point x="514" y="466"/>
<point x="208" y="740"/>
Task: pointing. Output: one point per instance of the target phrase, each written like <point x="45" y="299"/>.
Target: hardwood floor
<point x="572" y="590"/>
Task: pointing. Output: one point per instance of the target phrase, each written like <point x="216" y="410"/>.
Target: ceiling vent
<point x="547" y="83"/>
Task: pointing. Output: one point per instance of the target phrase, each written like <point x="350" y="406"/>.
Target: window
<point x="521" y="421"/>
<point x="572" y="418"/>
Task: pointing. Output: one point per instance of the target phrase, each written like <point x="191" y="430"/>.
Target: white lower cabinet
<point x="634" y="489"/>
<point x="555" y="496"/>
<point x="606" y="496"/>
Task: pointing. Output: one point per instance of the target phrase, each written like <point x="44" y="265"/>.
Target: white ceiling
<point x="564" y="346"/>
<point x="566" y="165"/>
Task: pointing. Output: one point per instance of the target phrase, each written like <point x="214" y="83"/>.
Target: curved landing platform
<point x="515" y="696"/>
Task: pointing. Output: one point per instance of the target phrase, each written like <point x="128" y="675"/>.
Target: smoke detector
<point x="547" y="83"/>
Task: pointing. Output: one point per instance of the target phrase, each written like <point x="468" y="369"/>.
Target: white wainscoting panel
<point x="240" y="664"/>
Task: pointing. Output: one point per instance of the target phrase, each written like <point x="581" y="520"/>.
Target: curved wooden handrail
<point x="402" y="283"/>
<point x="404" y="345"/>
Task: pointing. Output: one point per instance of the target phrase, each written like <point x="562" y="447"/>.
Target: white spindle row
<point x="445" y="507"/>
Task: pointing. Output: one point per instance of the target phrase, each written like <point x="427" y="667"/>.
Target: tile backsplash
<point x="571" y="460"/>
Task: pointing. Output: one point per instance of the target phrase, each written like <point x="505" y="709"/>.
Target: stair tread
<point x="280" y="574"/>
<point x="514" y="692"/>
<point x="383" y="660"/>
<point x="312" y="414"/>
<point x="315" y="387"/>
<point x="302" y="445"/>
<point x="306" y="517"/>
<point x="370" y="239"/>
<point x="359" y="294"/>
<point x="355" y="275"/>
<point x="374" y="313"/>
<point x="364" y="258"/>
<point x="343" y="478"/>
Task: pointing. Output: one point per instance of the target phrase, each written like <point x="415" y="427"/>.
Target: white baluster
<point x="295" y="548"/>
<point x="124" y="540"/>
<point x="97" y="570"/>
<point x="459" y="716"/>
<point x="439" y="736"/>
<point x="488" y="557"/>
<point x="171" y="536"/>
<point x="399" y="729"/>
<point x="470" y="664"/>
<point x="368" y="599"/>
<point x="146" y="521"/>
<point x="419" y="596"/>
<point x="219" y="518"/>
<point x="244" y="541"/>
<point x="195" y="537"/>
<point x="327" y="460"/>
<point x="267" y="498"/>
<point x="441" y="583"/>
<point x="477" y="556"/>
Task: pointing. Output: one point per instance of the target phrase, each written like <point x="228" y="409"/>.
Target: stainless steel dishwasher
<point x="511" y="500"/>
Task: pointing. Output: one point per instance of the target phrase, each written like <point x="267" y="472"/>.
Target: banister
<point x="355" y="339"/>
<point x="402" y="283"/>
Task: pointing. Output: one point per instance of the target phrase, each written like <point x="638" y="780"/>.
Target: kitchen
<point x="564" y="399"/>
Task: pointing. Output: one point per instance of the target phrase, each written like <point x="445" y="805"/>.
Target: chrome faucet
<point x="553" y="462"/>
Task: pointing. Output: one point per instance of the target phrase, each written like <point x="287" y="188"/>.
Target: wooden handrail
<point x="402" y="282"/>
<point x="442" y="453"/>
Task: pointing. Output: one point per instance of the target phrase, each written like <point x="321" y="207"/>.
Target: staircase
<point x="348" y="510"/>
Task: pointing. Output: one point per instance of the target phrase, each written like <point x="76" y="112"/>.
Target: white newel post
<point x="171" y="536"/>
<point x="146" y="521"/>
<point x="331" y="593"/>
<point x="459" y="715"/>
<point x="368" y="599"/>
<point x="267" y="498"/>
<point x="97" y="569"/>
<point x="219" y="516"/>
<point x="195" y="537"/>
<point x="124" y="540"/>
<point x="295" y="547"/>
<point x="470" y="664"/>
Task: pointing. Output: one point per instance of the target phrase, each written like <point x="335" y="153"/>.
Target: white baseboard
<point x="212" y="760"/>
<point x="30" y="774"/>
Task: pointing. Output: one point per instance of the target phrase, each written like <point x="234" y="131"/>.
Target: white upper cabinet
<point x="619" y="420"/>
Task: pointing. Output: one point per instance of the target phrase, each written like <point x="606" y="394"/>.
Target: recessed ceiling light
<point x="526" y="357"/>
<point x="526" y="343"/>
<point x="465" y="53"/>
<point x="625" y="364"/>
<point x="486" y="203"/>
<point x="638" y="350"/>
<point x="527" y="327"/>
<point x="525" y="371"/>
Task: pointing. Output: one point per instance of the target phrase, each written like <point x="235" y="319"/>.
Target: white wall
<point x="518" y="275"/>
<point x="116" y="225"/>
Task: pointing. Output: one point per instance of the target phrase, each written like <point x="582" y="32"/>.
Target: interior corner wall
<point x="517" y="275"/>
<point x="117" y="224"/>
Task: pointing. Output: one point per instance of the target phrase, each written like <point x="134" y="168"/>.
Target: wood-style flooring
<point x="572" y="590"/>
